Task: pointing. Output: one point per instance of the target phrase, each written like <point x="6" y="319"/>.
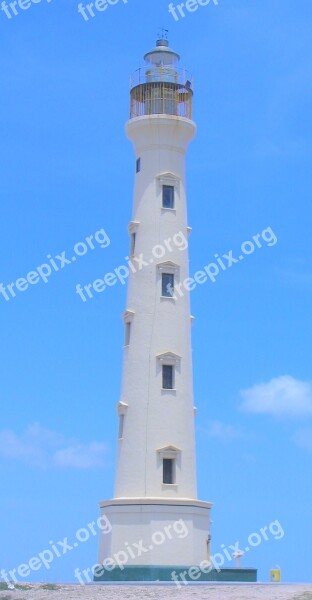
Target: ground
<point x="46" y="591"/>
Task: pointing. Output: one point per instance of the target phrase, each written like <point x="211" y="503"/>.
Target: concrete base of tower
<point x="143" y="532"/>
<point x="180" y="576"/>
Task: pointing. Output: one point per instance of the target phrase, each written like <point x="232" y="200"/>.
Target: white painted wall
<point x="156" y="418"/>
<point x="184" y="545"/>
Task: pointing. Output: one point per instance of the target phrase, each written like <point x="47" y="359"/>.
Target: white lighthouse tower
<point x="156" y="468"/>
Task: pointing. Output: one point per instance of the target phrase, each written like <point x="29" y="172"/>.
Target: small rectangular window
<point x="168" y="470"/>
<point x="167" y="285"/>
<point x="127" y="334"/>
<point x="132" y="243"/>
<point x="168" y="196"/>
<point x="121" y="426"/>
<point x="167" y="377"/>
<point x="138" y="165"/>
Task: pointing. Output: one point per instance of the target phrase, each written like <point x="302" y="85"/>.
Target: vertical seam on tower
<point x="150" y="344"/>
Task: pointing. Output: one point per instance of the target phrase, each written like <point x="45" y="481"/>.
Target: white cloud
<point x="81" y="456"/>
<point x="282" y="396"/>
<point x="222" y="431"/>
<point x="43" y="448"/>
<point x="303" y="438"/>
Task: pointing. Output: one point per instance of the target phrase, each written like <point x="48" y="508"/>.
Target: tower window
<point x="138" y="165"/>
<point x="167" y="285"/>
<point x="121" y="426"/>
<point x="132" y="243"/>
<point x="168" y="196"/>
<point x="168" y="471"/>
<point x="167" y="377"/>
<point x="127" y="334"/>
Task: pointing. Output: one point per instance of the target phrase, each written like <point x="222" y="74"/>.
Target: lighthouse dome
<point x="162" y="55"/>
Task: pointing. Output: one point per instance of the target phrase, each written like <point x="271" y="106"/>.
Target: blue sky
<point x="67" y="172"/>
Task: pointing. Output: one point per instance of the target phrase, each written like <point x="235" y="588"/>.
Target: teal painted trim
<point x="173" y="574"/>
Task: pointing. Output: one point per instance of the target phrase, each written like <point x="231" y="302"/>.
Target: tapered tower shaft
<point x="156" y="469"/>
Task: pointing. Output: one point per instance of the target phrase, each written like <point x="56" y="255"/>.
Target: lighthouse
<point x="158" y="528"/>
<point x="155" y="501"/>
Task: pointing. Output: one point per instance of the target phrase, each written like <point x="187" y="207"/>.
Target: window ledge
<point x="169" y="391"/>
<point x="174" y="210"/>
<point x="169" y="486"/>
<point x="168" y="297"/>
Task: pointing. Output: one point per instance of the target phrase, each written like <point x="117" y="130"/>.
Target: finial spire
<point x="162" y="35"/>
